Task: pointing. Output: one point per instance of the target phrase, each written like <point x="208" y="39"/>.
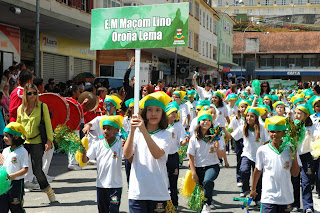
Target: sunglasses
<point x="30" y="93"/>
<point x="264" y="86"/>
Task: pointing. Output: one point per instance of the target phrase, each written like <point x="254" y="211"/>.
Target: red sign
<point x="226" y="69"/>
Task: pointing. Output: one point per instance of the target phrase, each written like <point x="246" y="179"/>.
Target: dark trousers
<point x="36" y="153"/>
<point x="108" y="200"/>
<point x="238" y="147"/>
<point x="173" y="174"/>
<point x="296" y="191"/>
<point x="274" y="208"/>
<point x="246" y="166"/>
<point x="12" y="200"/>
<point x="81" y="134"/>
<point x="317" y="175"/>
<point x="147" y="206"/>
<point x="127" y="166"/>
<point x="206" y="176"/>
<point x="306" y="180"/>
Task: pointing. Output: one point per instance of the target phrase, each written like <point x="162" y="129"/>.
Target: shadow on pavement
<point x="57" y="203"/>
<point x="65" y="190"/>
<point x="76" y="180"/>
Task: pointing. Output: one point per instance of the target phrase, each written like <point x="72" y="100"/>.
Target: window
<point x="196" y="13"/>
<point x="65" y="2"/>
<point x="281" y="10"/>
<point x="283" y="2"/>
<point x="220" y="3"/>
<point x="191" y="7"/>
<point x="236" y="11"/>
<point x="251" y="3"/>
<point x="280" y="62"/>
<point x="83" y="5"/>
<point x="316" y="2"/>
<point x="211" y="24"/>
<point x="301" y="10"/>
<point x="214" y="27"/>
<point x="210" y="55"/>
<point x="190" y="39"/>
<point x="203" y="48"/>
<point x="106" y="70"/>
<point x="200" y="16"/>
<point x="127" y="4"/>
<point x="196" y="42"/>
<point x="249" y="11"/>
<point x="207" y="47"/>
<point x="228" y="28"/>
<point x="204" y="19"/>
<point x="300" y="2"/>
<point x="266" y="62"/>
<point x="208" y="21"/>
<point x="267" y="2"/>
<point x="309" y="62"/>
<point x="200" y="47"/>
<point x="294" y="61"/>
<point x="269" y="10"/>
<point x="315" y="10"/>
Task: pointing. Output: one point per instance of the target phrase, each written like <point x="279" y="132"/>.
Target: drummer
<point x="111" y="104"/>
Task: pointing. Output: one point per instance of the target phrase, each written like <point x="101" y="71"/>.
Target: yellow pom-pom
<point x="85" y="143"/>
<point x="188" y="185"/>
<point x="315" y="149"/>
<point x="78" y="157"/>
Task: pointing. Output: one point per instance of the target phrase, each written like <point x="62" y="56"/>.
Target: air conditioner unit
<point x="292" y="66"/>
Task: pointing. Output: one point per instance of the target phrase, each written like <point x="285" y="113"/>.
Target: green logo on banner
<point x="150" y="26"/>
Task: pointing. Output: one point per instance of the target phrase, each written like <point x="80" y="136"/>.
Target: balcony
<point x="83" y="5"/>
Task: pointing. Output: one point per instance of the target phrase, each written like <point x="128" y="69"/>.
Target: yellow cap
<point x="256" y="110"/>
<point x="15" y="128"/>
<point x="116" y="101"/>
<point x="277" y="103"/>
<point x="276" y="123"/>
<point x="160" y="99"/>
<point x="181" y="94"/>
<point x="204" y="114"/>
<point x="112" y="120"/>
<point x="298" y="98"/>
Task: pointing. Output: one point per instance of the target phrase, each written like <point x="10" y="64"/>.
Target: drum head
<point x="75" y="115"/>
<point x="58" y="108"/>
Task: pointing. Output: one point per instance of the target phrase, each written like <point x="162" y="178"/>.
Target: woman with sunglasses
<point x="29" y="115"/>
<point x="265" y="89"/>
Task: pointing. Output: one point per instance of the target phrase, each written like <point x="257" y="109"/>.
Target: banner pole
<point x="137" y="81"/>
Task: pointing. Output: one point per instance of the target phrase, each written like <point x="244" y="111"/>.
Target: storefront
<point x="63" y="59"/>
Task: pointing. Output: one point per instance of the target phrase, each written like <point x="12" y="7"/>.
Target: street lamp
<point x="242" y="49"/>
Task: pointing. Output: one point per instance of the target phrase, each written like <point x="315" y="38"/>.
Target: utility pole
<point x="36" y="68"/>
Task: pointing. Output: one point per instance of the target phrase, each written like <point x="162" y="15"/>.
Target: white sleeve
<point x="222" y="143"/>
<point x="24" y="159"/>
<point x="95" y="123"/>
<point x="265" y="135"/>
<point x="238" y="133"/>
<point x="259" y="158"/>
<point x="182" y="133"/>
<point x="191" y="147"/>
<point x="233" y="123"/>
<point x="91" y="153"/>
<point x="165" y="141"/>
<point x="200" y="93"/>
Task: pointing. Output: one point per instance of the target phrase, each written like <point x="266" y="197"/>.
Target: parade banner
<point x="150" y="26"/>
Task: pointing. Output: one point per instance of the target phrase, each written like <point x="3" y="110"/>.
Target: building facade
<point x="280" y="55"/>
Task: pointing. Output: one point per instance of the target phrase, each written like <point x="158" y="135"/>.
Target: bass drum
<point x="58" y="108"/>
<point x="75" y="115"/>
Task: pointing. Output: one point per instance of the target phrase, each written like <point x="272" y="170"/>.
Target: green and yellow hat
<point x="243" y="101"/>
<point x="298" y="98"/>
<point x="275" y="98"/>
<point x="171" y="107"/>
<point x="277" y="103"/>
<point x="276" y="123"/>
<point x="160" y="99"/>
<point x="181" y="94"/>
<point x="204" y="114"/>
<point x="268" y="97"/>
<point x="309" y="93"/>
<point x="256" y="110"/>
<point x="115" y="100"/>
<point x="202" y="103"/>
<point x="15" y="128"/>
<point x="314" y="100"/>
<point x="129" y="102"/>
<point x="232" y="97"/>
<point x="306" y="108"/>
<point x="266" y="107"/>
<point x="191" y="93"/>
<point x="219" y="94"/>
<point x="244" y="94"/>
<point x="112" y="120"/>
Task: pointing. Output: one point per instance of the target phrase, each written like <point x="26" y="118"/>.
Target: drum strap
<point x="33" y="137"/>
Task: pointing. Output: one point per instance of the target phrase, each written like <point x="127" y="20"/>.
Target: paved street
<point x="76" y="191"/>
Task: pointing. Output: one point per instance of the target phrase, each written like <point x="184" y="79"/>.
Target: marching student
<point x="217" y="100"/>
<point x="16" y="164"/>
<point x="237" y="121"/>
<point x="194" y="122"/>
<point x="191" y="104"/>
<point x="107" y="151"/>
<point x="183" y="108"/>
<point x="262" y="118"/>
<point x="279" y="108"/>
<point x="204" y="93"/>
<point x="267" y="100"/>
<point x="232" y="107"/>
<point x="204" y="154"/>
<point x="253" y="135"/>
<point x="178" y="139"/>
<point x="277" y="166"/>
<point x="149" y="143"/>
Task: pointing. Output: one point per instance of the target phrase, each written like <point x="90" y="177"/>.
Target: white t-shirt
<point x="15" y="160"/>
<point x="316" y="121"/>
<point x="192" y="109"/>
<point x="126" y="124"/>
<point x="203" y="94"/>
<point x="276" y="180"/>
<point x="204" y="153"/>
<point x="232" y="111"/>
<point x="193" y="126"/>
<point x="178" y="135"/>
<point x="148" y="177"/>
<point x="250" y="143"/>
<point x="96" y="130"/>
<point x="223" y="111"/>
<point x="310" y="135"/>
<point x="235" y="123"/>
<point x="184" y="112"/>
<point x="109" y="161"/>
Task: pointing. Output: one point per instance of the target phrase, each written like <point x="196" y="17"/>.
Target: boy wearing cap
<point x="16" y="164"/>
<point x="277" y="166"/>
<point x="191" y="104"/>
<point x="108" y="153"/>
<point x="183" y="108"/>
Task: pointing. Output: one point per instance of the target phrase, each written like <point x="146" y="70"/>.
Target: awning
<point x="280" y="73"/>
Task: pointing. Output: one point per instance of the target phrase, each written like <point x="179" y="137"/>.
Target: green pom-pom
<point x="256" y="87"/>
<point x="68" y="141"/>
<point x="5" y="182"/>
<point x="182" y="152"/>
<point x="197" y="198"/>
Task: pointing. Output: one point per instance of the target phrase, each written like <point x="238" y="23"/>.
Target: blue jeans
<point x="108" y="199"/>
<point x="173" y="174"/>
<point x="147" y="206"/>
<point x="306" y="180"/>
<point x="274" y="208"/>
<point x="206" y="177"/>
<point x="238" y="147"/>
<point x="13" y="198"/>
<point x="246" y="166"/>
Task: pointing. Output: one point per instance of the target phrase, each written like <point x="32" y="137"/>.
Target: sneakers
<point x="220" y="165"/>
<point x="50" y="178"/>
<point x="31" y="185"/>
<point x="74" y="167"/>
<point x="244" y="194"/>
<point x="51" y="195"/>
<point x="239" y="184"/>
<point x="206" y="208"/>
<point x="212" y="206"/>
<point x="309" y="211"/>
<point x="92" y="162"/>
<point x="295" y="209"/>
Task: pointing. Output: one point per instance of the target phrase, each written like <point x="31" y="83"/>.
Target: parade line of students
<point x="253" y="126"/>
